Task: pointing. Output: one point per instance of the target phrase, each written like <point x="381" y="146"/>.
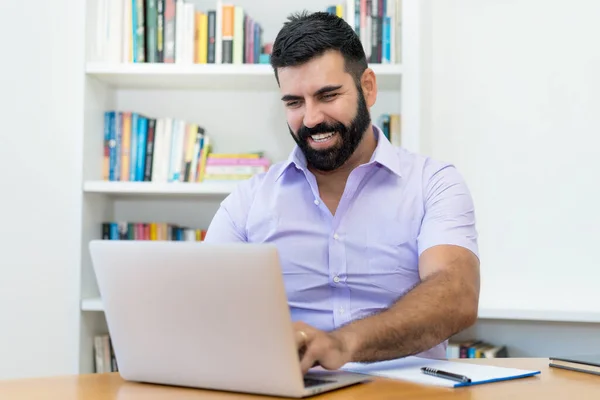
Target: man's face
<point x="326" y="113"/>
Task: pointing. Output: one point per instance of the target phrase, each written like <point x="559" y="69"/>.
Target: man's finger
<point x="301" y="339"/>
<point x="308" y="360"/>
<point x="314" y="353"/>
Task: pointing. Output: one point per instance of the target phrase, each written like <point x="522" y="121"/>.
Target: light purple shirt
<point x="341" y="267"/>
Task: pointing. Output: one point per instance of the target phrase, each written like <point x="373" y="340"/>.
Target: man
<point x="378" y="245"/>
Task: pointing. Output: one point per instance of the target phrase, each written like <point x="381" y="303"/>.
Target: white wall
<point x="40" y="79"/>
<point x="514" y="103"/>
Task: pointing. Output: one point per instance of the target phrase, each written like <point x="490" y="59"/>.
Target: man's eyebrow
<point x="327" y="89"/>
<point x="289" y="97"/>
<point x="323" y="90"/>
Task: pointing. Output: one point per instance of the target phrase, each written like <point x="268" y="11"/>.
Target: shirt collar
<point x="385" y="154"/>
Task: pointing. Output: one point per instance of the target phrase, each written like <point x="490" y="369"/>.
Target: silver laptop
<point x="205" y="316"/>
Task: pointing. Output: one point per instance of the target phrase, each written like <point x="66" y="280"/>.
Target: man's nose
<point x="313" y="116"/>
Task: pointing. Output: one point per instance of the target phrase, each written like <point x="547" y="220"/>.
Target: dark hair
<point x="305" y="36"/>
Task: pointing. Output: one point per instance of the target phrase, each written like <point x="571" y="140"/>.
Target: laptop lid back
<point x="197" y="314"/>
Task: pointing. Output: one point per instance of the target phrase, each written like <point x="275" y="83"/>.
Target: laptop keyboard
<point x="309" y="382"/>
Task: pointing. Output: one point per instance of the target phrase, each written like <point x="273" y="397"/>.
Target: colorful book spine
<point x="125" y="230"/>
<point x="377" y="23"/>
<point x="180" y="31"/>
<point x="139" y="33"/>
<point x="390" y="124"/>
<point x="150" y="31"/>
<point x="143" y="148"/>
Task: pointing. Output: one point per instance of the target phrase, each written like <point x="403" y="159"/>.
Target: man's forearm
<point x="437" y="308"/>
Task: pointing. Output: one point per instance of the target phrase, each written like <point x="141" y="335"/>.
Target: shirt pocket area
<point x="392" y="256"/>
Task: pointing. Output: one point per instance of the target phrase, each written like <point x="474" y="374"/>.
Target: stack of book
<point x="176" y="31"/>
<point x="104" y="355"/>
<point x="123" y="230"/>
<point x="475" y="349"/>
<point x="226" y="167"/>
<point x="587" y="363"/>
<point x="378" y="25"/>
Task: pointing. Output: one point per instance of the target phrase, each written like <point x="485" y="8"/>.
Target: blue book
<point x="386" y="45"/>
<point x="114" y="231"/>
<point x="134" y="23"/>
<point x="140" y="158"/>
<point x="257" y="46"/>
<point x="109" y="130"/>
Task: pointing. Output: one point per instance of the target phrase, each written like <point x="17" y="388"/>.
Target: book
<point x="145" y="148"/>
<point x="409" y="369"/>
<point x="104" y="354"/>
<point x="177" y="31"/>
<point x="377" y="23"/>
<point x="129" y="230"/>
<point x="475" y="349"/>
<point x="588" y="363"/>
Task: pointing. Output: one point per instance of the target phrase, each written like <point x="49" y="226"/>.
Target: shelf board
<point x="210" y="76"/>
<point x="499" y="314"/>
<point x="94" y="304"/>
<point x="166" y="189"/>
<point x="539" y="315"/>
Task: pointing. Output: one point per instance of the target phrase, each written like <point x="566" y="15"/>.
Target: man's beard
<point x="350" y="137"/>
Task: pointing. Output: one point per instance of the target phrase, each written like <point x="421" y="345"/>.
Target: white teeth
<point x="321" y="137"/>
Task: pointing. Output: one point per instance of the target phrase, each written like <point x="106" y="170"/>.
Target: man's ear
<point x="368" y="83"/>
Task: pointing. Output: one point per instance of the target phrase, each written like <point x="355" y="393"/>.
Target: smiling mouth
<point x="322" y="137"/>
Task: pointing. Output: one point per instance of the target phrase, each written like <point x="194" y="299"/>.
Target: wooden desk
<point x="552" y="383"/>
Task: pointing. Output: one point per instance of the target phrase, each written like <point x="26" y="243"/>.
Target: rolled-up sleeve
<point x="449" y="216"/>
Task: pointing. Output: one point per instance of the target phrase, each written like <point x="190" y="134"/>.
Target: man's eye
<point x="292" y="103"/>
<point x="330" y="96"/>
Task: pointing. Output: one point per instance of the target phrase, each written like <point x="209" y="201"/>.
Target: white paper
<point x="409" y="369"/>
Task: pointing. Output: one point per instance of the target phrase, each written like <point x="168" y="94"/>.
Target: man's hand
<point x="329" y="350"/>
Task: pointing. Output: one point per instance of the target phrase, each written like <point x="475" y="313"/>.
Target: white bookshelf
<point x="210" y="76"/>
<point x="95" y="304"/>
<point x="159" y="189"/>
<point x="237" y="104"/>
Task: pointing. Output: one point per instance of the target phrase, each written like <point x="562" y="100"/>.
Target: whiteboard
<point x="515" y="105"/>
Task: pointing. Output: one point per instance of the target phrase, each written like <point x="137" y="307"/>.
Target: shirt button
<point x="316" y="202"/>
<point x="341" y="310"/>
<point x="336" y="236"/>
<point x="336" y="279"/>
